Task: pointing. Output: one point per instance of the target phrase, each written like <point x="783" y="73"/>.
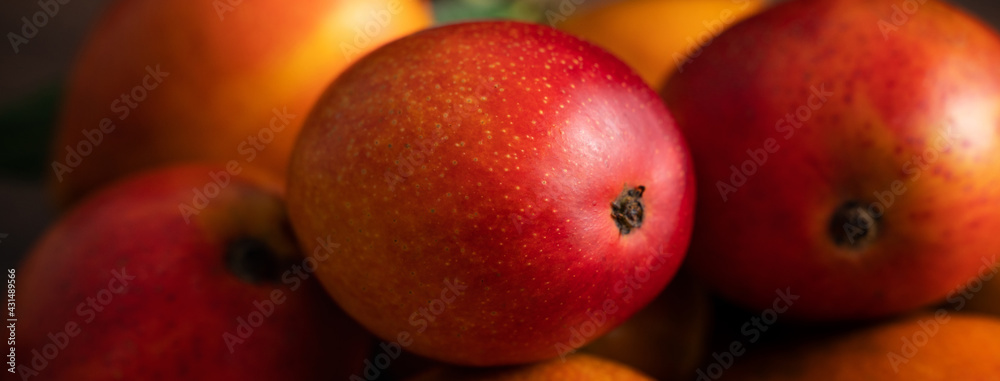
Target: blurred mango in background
<point x="162" y="82"/>
<point x="923" y="346"/>
<point x="655" y="37"/>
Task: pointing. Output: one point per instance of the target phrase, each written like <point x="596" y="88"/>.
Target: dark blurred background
<point x="32" y="81"/>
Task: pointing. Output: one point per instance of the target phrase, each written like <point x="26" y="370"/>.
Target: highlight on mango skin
<point x="501" y="190"/>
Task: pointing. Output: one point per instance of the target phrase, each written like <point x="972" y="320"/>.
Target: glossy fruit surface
<point x="851" y="159"/>
<point x="503" y="192"/>
<point x="126" y="286"/>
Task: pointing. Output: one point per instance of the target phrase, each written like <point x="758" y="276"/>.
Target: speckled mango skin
<point x="489" y="153"/>
<point x="168" y="323"/>
<point x="893" y="97"/>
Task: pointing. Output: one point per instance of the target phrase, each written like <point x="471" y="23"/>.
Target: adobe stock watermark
<point x="466" y="108"/>
<point x="565" y="9"/>
<point x="88" y="309"/>
<point x="752" y="331"/>
<point x="122" y="106"/>
<point x="263" y="309"/>
<point x="31" y="26"/>
<point x="911" y="344"/>
<point x="11" y="319"/>
<point x="584" y="332"/>
<point x="419" y="319"/>
<point x="900" y="15"/>
<point x="222" y="7"/>
<point x="249" y="148"/>
<point x="884" y="199"/>
<point x="712" y="30"/>
<point x="758" y="157"/>
<point x="364" y="35"/>
<point x="966" y="292"/>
